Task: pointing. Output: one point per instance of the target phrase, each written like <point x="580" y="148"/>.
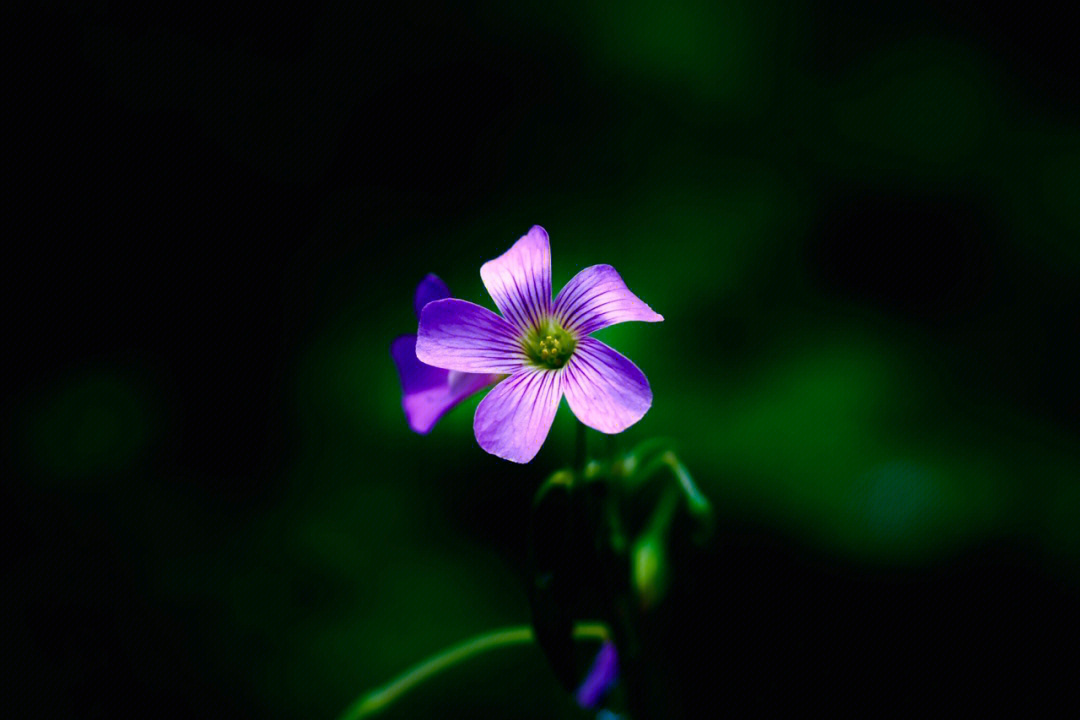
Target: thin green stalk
<point x="380" y="698"/>
<point x="698" y="503"/>
<point x="663" y="514"/>
<point x="581" y="452"/>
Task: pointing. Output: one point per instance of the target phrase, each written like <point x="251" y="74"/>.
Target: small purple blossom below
<point x="542" y="346"/>
<point x="428" y="393"/>
<point x="601" y="678"/>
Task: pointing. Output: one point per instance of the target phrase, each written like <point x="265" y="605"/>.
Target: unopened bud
<point x="649" y="567"/>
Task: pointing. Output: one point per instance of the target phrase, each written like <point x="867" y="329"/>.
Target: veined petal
<point x="427" y="392"/>
<point x="597" y="297"/>
<point x="460" y="335"/>
<point x="415" y="375"/>
<point x="423" y="409"/>
<point x="513" y="420"/>
<point x="430" y="289"/>
<point x="606" y="391"/>
<point x="519" y="280"/>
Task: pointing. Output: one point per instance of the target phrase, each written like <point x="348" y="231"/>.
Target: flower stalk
<point x="581" y="451"/>
<point x="380" y="698"/>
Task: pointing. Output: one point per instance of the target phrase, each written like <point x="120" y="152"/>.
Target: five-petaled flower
<point x="427" y="392"/>
<point x="542" y="346"/>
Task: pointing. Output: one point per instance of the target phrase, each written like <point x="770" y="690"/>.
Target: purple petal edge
<point x="460" y="335"/>
<point x="424" y="409"/>
<point x="415" y="375"/>
<point x="604" y="389"/>
<point x="519" y="280"/>
<point x="597" y="297"/>
<point x="513" y="421"/>
<point x="430" y="289"/>
<point x="428" y="393"/>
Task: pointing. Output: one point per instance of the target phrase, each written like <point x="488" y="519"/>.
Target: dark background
<point x="861" y="222"/>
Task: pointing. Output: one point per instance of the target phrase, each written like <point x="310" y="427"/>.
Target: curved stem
<point x="380" y="698"/>
<point x="698" y="503"/>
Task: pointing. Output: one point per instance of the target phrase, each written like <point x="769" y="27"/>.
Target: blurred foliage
<point x="91" y="425"/>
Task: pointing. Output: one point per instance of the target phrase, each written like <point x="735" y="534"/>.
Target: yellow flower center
<point x="549" y="346"/>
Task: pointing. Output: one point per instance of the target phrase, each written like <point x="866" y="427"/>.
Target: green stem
<point x="380" y="698"/>
<point x="698" y="503"/>
<point x="580" y="451"/>
<point x="663" y="514"/>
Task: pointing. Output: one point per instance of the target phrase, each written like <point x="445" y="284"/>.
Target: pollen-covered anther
<point x="549" y="346"/>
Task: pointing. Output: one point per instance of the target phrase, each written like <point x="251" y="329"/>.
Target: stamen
<point x="549" y="345"/>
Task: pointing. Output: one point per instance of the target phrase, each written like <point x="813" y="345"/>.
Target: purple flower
<point x="543" y="346"/>
<point x="602" y="676"/>
<point x="427" y="392"/>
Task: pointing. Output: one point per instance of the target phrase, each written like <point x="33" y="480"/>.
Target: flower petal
<point x="519" y="280"/>
<point x="602" y="675"/>
<point x="460" y="335"/>
<point x="597" y="297"/>
<point x="424" y="409"/>
<point x="513" y="420"/>
<point x="427" y="392"/>
<point x="415" y="375"/>
<point x="606" y="391"/>
<point x="430" y="289"/>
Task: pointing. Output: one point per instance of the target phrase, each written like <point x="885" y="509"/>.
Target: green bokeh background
<point x="709" y="152"/>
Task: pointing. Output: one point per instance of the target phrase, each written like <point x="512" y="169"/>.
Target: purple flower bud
<point x="601" y="678"/>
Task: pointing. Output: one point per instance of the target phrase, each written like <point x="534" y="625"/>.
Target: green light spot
<point x="91" y="425"/>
